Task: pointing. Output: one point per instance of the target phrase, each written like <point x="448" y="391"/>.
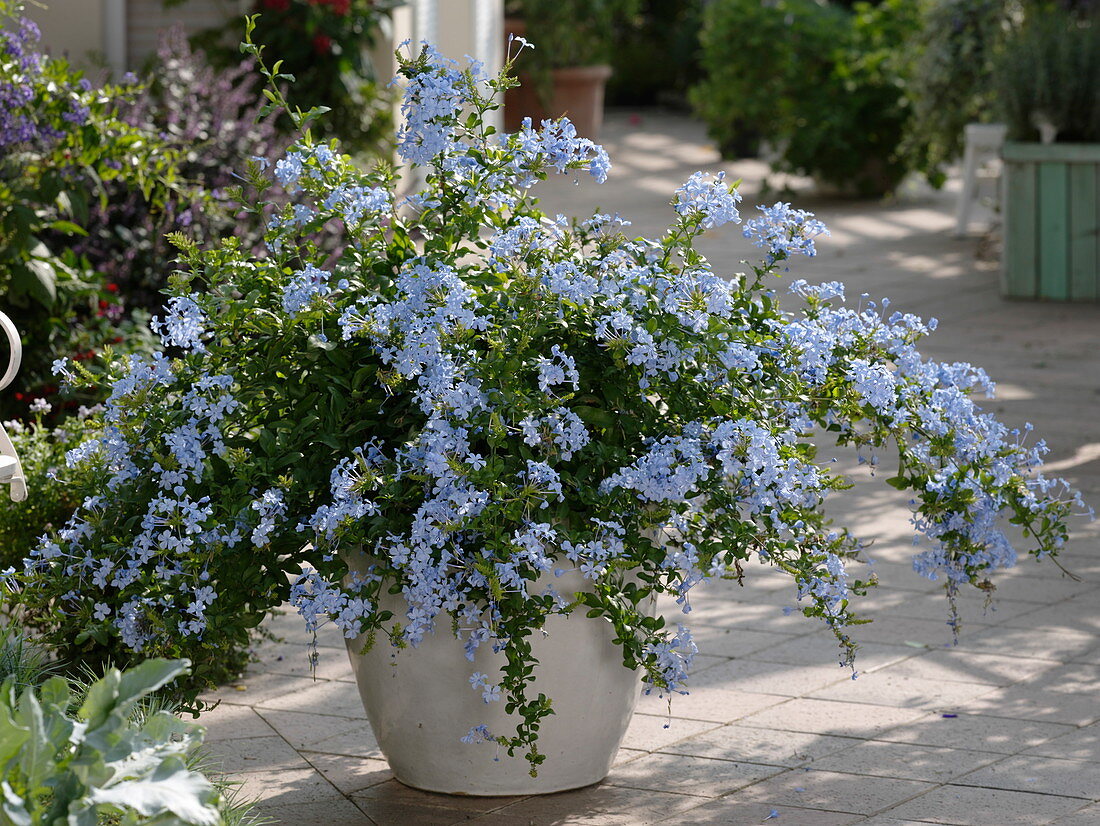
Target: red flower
<point x="322" y="43"/>
<point x="111" y="288"/>
<point x="277" y="5"/>
<point x="340" y="7"/>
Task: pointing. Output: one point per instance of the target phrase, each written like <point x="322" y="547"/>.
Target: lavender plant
<point x="484" y="397"/>
<point x="207" y="120"/>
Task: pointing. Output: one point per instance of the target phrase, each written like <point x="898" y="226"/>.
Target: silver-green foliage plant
<point x="61" y="767"/>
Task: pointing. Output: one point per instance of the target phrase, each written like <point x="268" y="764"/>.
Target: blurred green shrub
<point x="655" y="54"/>
<point x="823" y="84"/>
<point x="953" y="77"/>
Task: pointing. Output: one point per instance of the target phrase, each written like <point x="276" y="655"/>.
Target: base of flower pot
<point x="532" y="788"/>
<point x="420" y="704"/>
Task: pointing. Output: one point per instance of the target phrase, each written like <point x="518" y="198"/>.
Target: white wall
<point x="122" y="33"/>
<point x="73" y="28"/>
<point x="88" y="30"/>
<point x="146" y="18"/>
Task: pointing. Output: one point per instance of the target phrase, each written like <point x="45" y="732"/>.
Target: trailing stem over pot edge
<point x="482" y="396"/>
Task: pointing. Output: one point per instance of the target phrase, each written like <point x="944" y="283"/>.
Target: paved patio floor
<point x="1002" y="729"/>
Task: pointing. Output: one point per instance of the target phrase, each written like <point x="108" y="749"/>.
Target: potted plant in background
<point x="666" y="28"/>
<point x="953" y="82"/>
<point x="567" y="71"/>
<point x="823" y="83"/>
<point x="1047" y="81"/>
<point x="487" y="435"/>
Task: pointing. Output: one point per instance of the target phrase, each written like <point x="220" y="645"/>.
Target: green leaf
<point x="101" y="699"/>
<point x="162" y="735"/>
<point x="55" y="694"/>
<point x="313" y="113"/>
<point x="82" y="814"/>
<point x="14" y="808"/>
<point x="42" y="284"/>
<point x="12" y="735"/>
<point x="165" y="727"/>
<point x="172" y="788"/>
<point x="36" y="755"/>
<point x="595" y="416"/>
<point x="68" y="227"/>
<point x="720" y="406"/>
<point x="54" y="698"/>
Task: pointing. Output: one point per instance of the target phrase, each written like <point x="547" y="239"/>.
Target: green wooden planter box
<point x="1052" y="221"/>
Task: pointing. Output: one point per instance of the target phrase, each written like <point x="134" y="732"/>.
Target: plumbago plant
<point x="485" y="397"/>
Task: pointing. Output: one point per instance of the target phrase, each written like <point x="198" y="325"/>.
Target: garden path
<point x="1002" y="729"/>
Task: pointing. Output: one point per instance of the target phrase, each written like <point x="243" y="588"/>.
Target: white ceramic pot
<point x="420" y="704"/>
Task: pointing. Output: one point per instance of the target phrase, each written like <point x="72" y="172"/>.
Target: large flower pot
<point x="576" y="92"/>
<point x="420" y="704"/>
<point x="1052" y="221"/>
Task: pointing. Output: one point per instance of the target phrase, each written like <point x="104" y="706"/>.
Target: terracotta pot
<point x="577" y="93"/>
<point x="420" y="704"/>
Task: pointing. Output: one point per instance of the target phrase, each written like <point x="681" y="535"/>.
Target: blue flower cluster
<point x="784" y="232"/>
<point x="710" y="202"/>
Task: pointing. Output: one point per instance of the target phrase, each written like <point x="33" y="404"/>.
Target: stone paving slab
<point x="789" y="749"/>
<point x="952" y="665"/>
<point x="1071" y="778"/>
<point x="1002" y="729"/>
<point x="836" y="791"/>
<point x="709" y="704"/>
<point x="648" y="732"/>
<point x="732" y="810"/>
<point x="972" y="806"/>
<point x="1077" y="744"/>
<point x="1002" y="735"/>
<point x="906" y="761"/>
<point x="1088" y="816"/>
<point x="688" y="774"/>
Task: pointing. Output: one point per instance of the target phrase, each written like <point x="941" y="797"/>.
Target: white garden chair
<point x="11" y="472"/>
<point x="983" y="144"/>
